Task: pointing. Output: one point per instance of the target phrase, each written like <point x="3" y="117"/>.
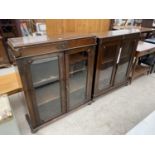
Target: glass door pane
<point x="121" y="73"/>
<point x="123" y="64"/>
<point x="78" y="66"/>
<point x="46" y="83"/>
<point x="106" y="67"/>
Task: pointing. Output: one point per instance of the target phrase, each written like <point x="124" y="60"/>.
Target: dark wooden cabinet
<point x="114" y="60"/>
<point x="106" y="64"/>
<point x="60" y="74"/>
<point x="125" y="58"/>
<point x="56" y="74"/>
<point x="147" y="23"/>
<point x="9" y="28"/>
<point x="3" y="55"/>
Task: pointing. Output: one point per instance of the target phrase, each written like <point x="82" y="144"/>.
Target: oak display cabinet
<point x="115" y="53"/>
<point x="56" y="74"/>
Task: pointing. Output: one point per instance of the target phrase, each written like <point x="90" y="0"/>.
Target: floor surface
<point x="115" y="113"/>
<point x="145" y="127"/>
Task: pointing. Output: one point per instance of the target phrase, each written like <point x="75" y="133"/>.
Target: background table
<point x="143" y="49"/>
<point x="145" y="32"/>
<point x="150" y="40"/>
<point x="10" y="83"/>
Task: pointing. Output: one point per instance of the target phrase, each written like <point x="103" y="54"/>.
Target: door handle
<point x="119" y="55"/>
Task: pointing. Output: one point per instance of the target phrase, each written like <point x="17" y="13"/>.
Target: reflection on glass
<point x="105" y="78"/>
<point x="44" y="71"/>
<point x="45" y="76"/>
<point x="106" y="66"/>
<point x="121" y="72"/>
<point x="77" y="78"/>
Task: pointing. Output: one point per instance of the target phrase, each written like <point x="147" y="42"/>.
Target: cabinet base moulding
<point x="34" y="130"/>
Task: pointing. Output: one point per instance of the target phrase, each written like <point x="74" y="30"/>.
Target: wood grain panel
<point x="62" y="26"/>
<point x="10" y="83"/>
<point x="54" y="26"/>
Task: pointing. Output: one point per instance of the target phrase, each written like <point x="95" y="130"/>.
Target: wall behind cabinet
<point x="61" y="26"/>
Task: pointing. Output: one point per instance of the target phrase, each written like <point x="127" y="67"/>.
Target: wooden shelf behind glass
<point x="45" y="81"/>
<point x="77" y="58"/>
<point x="76" y="86"/>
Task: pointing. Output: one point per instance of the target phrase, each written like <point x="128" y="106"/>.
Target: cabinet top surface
<point x="116" y="33"/>
<point x="30" y="40"/>
<point x="36" y="40"/>
<point x="144" y="46"/>
<point x="141" y="29"/>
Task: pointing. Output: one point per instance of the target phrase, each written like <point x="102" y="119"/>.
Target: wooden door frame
<point x="134" y="43"/>
<point x="31" y="89"/>
<point x="91" y="56"/>
<point x="100" y="50"/>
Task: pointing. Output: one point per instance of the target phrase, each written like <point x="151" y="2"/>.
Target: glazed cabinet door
<point x="106" y="65"/>
<point x="124" y="61"/>
<point x="45" y="76"/>
<point x="79" y="74"/>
